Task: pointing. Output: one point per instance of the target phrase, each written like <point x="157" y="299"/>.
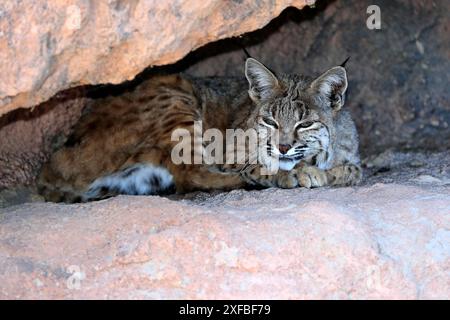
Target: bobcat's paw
<point x="311" y="177"/>
<point x="287" y="180"/>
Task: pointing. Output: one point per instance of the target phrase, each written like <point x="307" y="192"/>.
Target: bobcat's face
<point x="294" y="119"/>
<point x="294" y="129"/>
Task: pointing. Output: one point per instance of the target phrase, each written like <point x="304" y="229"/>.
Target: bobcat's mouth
<point x="287" y="163"/>
<point x="283" y="162"/>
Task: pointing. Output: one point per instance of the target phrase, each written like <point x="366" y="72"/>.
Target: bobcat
<point x="123" y="144"/>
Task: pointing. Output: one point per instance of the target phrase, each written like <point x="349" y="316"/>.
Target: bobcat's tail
<point x="137" y="179"/>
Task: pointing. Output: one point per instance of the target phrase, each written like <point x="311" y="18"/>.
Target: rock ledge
<point x="382" y="241"/>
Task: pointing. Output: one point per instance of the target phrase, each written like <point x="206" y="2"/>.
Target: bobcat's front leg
<point x="343" y="175"/>
<point x="306" y="176"/>
<point x="302" y="176"/>
<point x="281" y="179"/>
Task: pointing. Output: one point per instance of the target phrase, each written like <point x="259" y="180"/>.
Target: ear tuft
<point x="332" y="85"/>
<point x="263" y="84"/>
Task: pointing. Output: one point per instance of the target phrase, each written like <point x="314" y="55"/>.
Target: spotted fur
<point x="122" y="144"/>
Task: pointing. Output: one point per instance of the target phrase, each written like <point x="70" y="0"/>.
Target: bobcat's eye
<point x="304" y="125"/>
<point x="270" y="122"/>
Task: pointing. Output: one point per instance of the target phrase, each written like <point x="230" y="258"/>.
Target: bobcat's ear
<point x="332" y="85"/>
<point x="262" y="82"/>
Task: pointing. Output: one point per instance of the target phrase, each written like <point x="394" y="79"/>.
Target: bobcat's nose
<point x="284" y="148"/>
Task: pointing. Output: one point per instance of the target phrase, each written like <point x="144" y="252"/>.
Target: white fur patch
<point x="138" y="179"/>
<point x="325" y="164"/>
<point x="328" y="83"/>
<point x="290" y="152"/>
<point x="287" y="165"/>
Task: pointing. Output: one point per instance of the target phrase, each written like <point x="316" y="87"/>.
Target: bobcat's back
<point x="117" y="130"/>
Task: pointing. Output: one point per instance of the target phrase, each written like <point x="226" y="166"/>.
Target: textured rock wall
<point x="28" y="141"/>
<point x="49" y="46"/>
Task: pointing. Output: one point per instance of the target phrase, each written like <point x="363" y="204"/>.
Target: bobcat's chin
<point x="287" y="164"/>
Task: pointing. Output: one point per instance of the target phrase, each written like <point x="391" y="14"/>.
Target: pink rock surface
<point x="382" y="241"/>
<point x="48" y="46"/>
